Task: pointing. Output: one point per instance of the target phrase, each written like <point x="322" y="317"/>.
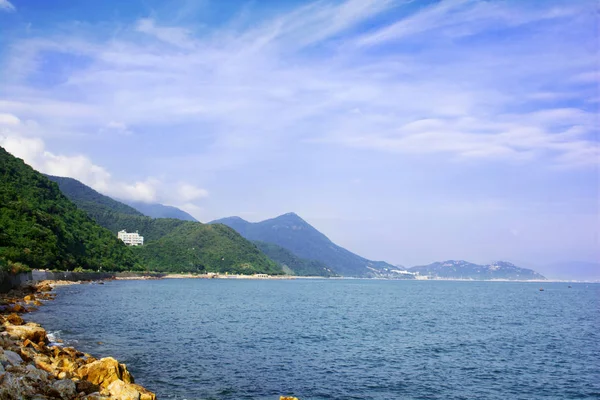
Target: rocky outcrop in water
<point x="32" y="369"/>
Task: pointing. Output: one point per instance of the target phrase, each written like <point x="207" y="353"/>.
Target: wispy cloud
<point x="20" y="139"/>
<point x="375" y="75"/>
<point x="6" y="5"/>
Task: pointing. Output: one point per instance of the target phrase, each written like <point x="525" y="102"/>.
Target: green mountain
<point x="41" y="228"/>
<point x="156" y="210"/>
<point x="292" y="264"/>
<point x="460" y="269"/>
<point x="296" y="235"/>
<point x="196" y="247"/>
<point x="173" y="245"/>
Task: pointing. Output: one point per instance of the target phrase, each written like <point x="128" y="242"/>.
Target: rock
<point x="44" y="288"/>
<point x="63" y="389"/>
<point x="66" y="365"/>
<point x="288" y="398"/>
<point x="145" y="394"/>
<point x="64" y="375"/>
<point x="123" y="391"/>
<point x="29" y="297"/>
<point x="1" y="369"/>
<point x="95" y="396"/>
<point x="36" y="374"/>
<point x="42" y="364"/>
<point x="30" y="331"/>
<point x="17" y="308"/>
<point x="104" y="371"/>
<point x="15" y="319"/>
<point x="16" y="387"/>
<point x="11" y="358"/>
<point x="86" y="387"/>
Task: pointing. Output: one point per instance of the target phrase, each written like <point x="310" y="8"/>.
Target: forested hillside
<point x="41" y="228"/>
<point x="173" y="245"/>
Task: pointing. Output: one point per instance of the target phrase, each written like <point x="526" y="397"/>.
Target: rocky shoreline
<point x="31" y="368"/>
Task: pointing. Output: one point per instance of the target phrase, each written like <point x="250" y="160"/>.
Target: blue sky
<point x="408" y="131"/>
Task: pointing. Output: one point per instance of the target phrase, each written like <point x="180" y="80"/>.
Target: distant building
<point x="131" y="239"/>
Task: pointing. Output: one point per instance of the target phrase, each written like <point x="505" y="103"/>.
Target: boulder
<point x="42" y="362"/>
<point x="10" y="357"/>
<point x="66" y="365"/>
<point x="86" y="387"/>
<point x="36" y="374"/>
<point x="15" y="386"/>
<point x="120" y="390"/>
<point x="15" y="319"/>
<point x="95" y="396"/>
<point x="63" y="389"/>
<point x="145" y="394"/>
<point x="30" y="331"/>
<point x="17" y="308"/>
<point x="105" y="371"/>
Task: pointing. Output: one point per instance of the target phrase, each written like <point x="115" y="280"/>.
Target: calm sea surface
<point x="340" y="339"/>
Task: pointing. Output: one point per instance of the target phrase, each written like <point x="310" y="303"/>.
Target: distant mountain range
<point x="296" y="235"/>
<point x="156" y="210"/>
<point x="460" y="269"/>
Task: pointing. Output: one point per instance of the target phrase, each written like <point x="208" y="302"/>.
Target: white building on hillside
<point x="131" y="239"/>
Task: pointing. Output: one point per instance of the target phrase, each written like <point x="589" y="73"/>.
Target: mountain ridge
<point x="157" y="210"/>
<point x="461" y="269"/>
<point x="293" y="233"/>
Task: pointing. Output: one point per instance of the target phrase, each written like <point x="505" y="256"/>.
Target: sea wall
<point x="10" y="281"/>
<point x="40" y="275"/>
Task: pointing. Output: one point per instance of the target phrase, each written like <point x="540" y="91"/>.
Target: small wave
<point x="54" y="338"/>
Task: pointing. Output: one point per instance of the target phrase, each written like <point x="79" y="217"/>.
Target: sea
<point x="226" y="339"/>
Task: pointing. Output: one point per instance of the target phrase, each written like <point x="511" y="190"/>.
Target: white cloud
<point x="16" y="140"/>
<point x="9" y="119"/>
<point x="188" y="193"/>
<point x="172" y="35"/>
<point x="6" y="5"/>
<point x="116" y="127"/>
<point x="300" y="77"/>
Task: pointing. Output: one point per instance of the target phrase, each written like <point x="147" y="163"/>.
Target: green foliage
<point x="196" y="247"/>
<point x="298" y="266"/>
<point x="41" y="228"/>
<point x="174" y="245"/>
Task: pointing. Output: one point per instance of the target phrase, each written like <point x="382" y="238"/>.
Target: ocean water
<point x="340" y="339"/>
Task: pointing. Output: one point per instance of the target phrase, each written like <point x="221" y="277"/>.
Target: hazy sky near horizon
<point x="408" y="131"/>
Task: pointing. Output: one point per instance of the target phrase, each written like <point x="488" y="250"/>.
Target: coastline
<point x="296" y="277"/>
<point x="32" y="367"/>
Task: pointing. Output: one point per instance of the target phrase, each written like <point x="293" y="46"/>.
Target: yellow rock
<point x="29" y="331"/>
<point x="120" y="390"/>
<point x="145" y="394"/>
<point x="105" y="371"/>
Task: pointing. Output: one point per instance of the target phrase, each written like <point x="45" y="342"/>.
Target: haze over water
<point x="340" y="339"/>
